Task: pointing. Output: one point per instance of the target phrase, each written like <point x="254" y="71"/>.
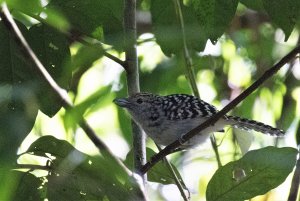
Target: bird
<point x="166" y="118"/>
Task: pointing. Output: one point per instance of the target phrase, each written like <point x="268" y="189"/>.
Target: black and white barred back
<point x="166" y="118"/>
<point x="182" y="106"/>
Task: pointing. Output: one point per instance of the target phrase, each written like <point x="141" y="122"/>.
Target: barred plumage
<point x="166" y="118"/>
<point x="247" y="124"/>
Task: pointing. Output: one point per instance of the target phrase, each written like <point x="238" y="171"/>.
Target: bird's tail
<point x="247" y="124"/>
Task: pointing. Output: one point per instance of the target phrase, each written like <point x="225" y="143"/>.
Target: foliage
<point x="238" y="178"/>
<point x="70" y="36"/>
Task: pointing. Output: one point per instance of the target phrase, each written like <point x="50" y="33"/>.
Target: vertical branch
<point x="295" y="182"/>
<point x="191" y="73"/>
<point x="131" y="66"/>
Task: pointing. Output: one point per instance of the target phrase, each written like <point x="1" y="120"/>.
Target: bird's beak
<point x="122" y="102"/>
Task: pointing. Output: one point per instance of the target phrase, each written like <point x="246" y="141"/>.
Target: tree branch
<point x="139" y="146"/>
<point x="212" y="120"/>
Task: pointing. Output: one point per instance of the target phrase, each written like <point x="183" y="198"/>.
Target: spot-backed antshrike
<point x="166" y="118"/>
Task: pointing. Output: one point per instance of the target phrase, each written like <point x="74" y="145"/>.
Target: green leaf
<point x="18" y="108"/>
<point x="86" y="56"/>
<point x="53" y="51"/>
<point x="17" y="186"/>
<point x="82" y="61"/>
<point x="51" y="145"/>
<point x="56" y="20"/>
<point x="28" y="6"/>
<point x="159" y="173"/>
<point x="284" y="13"/>
<point x="214" y="16"/>
<point x="73" y="116"/>
<point x="167" y="28"/>
<point x="102" y="20"/>
<point x="256" y="173"/>
<point x="253" y="4"/>
<point x="77" y="176"/>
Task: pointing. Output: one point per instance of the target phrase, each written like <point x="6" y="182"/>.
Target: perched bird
<point x="166" y="118"/>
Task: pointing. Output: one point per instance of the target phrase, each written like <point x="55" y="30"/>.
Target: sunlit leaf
<point x="74" y="115"/>
<point x="256" y="173"/>
<point x="28" y="6"/>
<point x="82" y="61"/>
<point x="284" y="13"/>
<point x="56" y="19"/>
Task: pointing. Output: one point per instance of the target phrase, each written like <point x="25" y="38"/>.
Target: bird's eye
<point x="139" y="101"/>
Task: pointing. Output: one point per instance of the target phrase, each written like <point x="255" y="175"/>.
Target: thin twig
<point x="79" y="39"/>
<point x="191" y="73"/>
<point x="115" y="59"/>
<point x="176" y="179"/>
<point x="213" y="119"/>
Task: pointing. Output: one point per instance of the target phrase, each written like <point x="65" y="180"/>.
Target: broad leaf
<point x="168" y="31"/>
<point x="18" y="108"/>
<point x="19" y="186"/>
<point x="28" y="6"/>
<point x="77" y="176"/>
<point x="101" y="20"/>
<point x="253" y="4"/>
<point x="256" y="173"/>
<point x="53" y="51"/>
<point x="51" y="145"/>
<point x="283" y="13"/>
<point x="214" y="16"/>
